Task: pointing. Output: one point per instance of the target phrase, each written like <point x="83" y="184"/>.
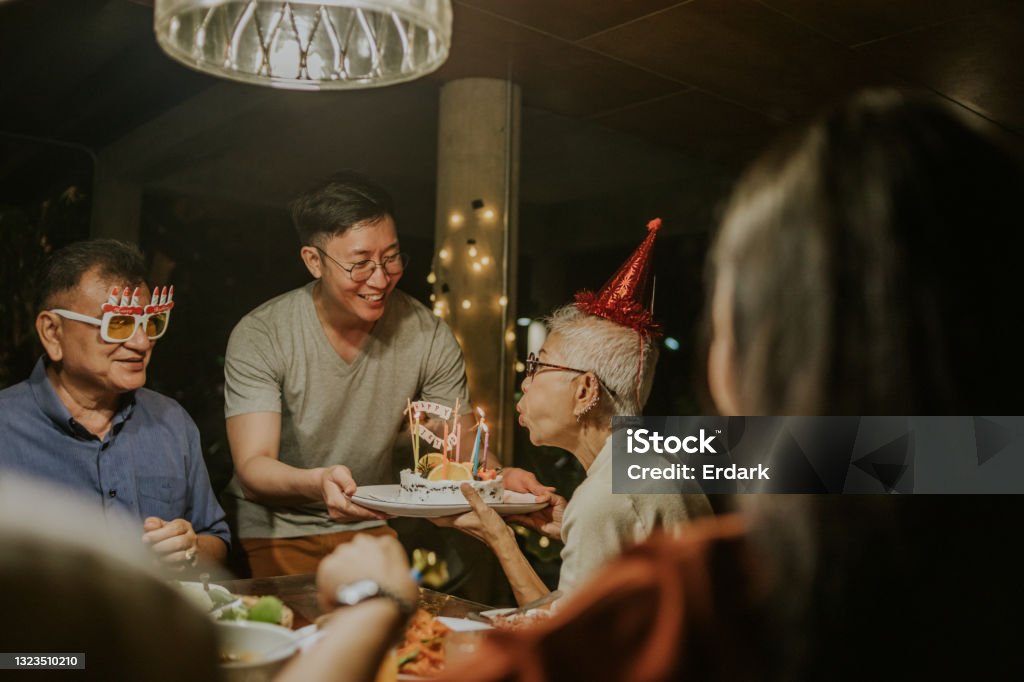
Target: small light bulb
<point x="477" y="267"/>
<point x="456" y="219"/>
<point x="444" y="254"/>
<point x="431" y="278"/>
<point x="510" y="336"/>
<point x="544" y="541"/>
<point x="489" y="214"/>
<point x="472" y="252"/>
<point x="486" y="260"/>
<point x="503" y="301"/>
<point x="466" y="304"/>
<point x="437" y="310"/>
<point x="433" y="297"/>
<point x="520" y="367"/>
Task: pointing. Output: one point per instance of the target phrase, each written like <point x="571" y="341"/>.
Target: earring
<point x="589" y="407"/>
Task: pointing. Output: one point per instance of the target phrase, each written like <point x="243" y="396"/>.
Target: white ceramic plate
<point x="497" y="612"/>
<point x="462" y="624"/>
<point x="385" y="498"/>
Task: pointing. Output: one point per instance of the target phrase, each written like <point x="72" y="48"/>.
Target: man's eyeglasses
<point x="364" y="269"/>
<point x="120" y="327"/>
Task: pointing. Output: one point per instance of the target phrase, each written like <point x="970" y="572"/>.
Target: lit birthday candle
<point x="487" y="438"/>
<point x="458" y="442"/>
<point x="480" y="426"/>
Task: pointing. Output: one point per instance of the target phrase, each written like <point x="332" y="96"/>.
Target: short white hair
<point x="612" y="352"/>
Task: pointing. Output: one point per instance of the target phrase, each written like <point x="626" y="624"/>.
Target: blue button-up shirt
<point x="148" y="464"/>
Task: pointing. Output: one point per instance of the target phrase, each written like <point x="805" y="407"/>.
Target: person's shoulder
<point x="266" y="313"/>
<point x="14" y="399"/>
<point x="16" y="392"/>
<point x="407" y="306"/>
<point x="410" y="313"/>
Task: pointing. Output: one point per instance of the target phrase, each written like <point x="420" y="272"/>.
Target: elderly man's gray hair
<point x="610" y="351"/>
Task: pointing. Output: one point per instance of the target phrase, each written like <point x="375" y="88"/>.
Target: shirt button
<point x="104" y="446"/>
<point x="112" y="493"/>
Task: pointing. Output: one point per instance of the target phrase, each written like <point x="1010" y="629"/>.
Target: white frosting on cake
<point x="417" y="490"/>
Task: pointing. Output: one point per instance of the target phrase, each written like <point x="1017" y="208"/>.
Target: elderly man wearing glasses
<point x="83" y="418"/>
<point x="597" y="362"/>
<point x="317" y="379"/>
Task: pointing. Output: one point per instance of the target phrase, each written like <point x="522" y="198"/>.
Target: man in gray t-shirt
<point x="316" y="381"/>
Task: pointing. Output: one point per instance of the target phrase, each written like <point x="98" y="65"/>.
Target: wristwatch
<point x="361" y="590"/>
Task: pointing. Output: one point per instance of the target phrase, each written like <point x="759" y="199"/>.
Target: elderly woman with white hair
<point x="597" y="362"/>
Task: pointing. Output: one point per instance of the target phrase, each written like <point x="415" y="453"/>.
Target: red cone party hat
<point x="625" y="298"/>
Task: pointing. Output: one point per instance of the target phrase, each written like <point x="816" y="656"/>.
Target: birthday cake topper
<point x="127" y="302"/>
<point x="417" y="409"/>
<point x="162" y="300"/>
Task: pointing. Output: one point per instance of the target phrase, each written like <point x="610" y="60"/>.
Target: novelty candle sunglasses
<point x="122" y="316"/>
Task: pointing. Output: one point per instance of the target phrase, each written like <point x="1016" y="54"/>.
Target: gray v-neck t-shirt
<point x="333" y="412"/>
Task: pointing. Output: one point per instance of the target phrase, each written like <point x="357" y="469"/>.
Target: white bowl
<point x="254" y="641"/>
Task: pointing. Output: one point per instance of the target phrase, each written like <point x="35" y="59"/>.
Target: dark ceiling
<point x="616" y="95"/>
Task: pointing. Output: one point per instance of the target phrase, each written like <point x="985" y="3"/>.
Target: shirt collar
<point x="55" y="410"/>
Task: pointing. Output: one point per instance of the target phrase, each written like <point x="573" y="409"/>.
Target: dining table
<point x="298" y="592"/>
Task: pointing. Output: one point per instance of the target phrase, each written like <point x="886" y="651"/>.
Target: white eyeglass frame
<point x="104" y="322"/>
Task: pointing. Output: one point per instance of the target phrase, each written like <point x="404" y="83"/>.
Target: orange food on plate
<point x="486" y="474"/>
<point x="422" y="653"/>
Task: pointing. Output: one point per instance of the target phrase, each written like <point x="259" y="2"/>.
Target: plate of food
<point x="222" y="605"/>
<point x="422" y="653"/>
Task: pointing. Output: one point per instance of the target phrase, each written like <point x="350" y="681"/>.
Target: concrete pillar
<point x="475" y="240"/>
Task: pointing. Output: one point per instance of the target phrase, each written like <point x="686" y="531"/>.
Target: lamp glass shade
<point x="326" y="45"/>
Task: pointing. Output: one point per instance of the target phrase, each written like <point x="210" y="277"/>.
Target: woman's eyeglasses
<point x="533" y="364"/>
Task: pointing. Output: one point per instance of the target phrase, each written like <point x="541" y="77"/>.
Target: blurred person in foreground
<point x="864" y="266"/>
<point x="597" y="362"/>
<point x="83" y="418"/>
<point x="76" y="581"/>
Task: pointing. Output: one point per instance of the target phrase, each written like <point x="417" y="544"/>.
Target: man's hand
<point x="523" y="481"/>
<point x="547" y="520"/>
<point x="175" y="542"/>
<point x="338" y="487"/>
<point x="483" y="523"/>
<point x="379" y="558"/>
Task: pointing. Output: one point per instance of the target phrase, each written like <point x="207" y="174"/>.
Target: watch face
<point x="358" y="591"/>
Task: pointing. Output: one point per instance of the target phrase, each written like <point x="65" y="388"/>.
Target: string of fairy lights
<point x="470" y="255"/>
<point x="469" y="293"/>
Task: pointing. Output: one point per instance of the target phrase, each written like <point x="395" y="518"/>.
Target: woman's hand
<point x="547" y="520"/>
<point x="482" y="522"/>
<point x="523" y="481"/>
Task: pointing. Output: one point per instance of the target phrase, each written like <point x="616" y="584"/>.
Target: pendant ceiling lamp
<point x="325" y="45"/>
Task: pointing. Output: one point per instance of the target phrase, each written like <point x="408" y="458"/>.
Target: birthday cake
<point x="442" y="482"/>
